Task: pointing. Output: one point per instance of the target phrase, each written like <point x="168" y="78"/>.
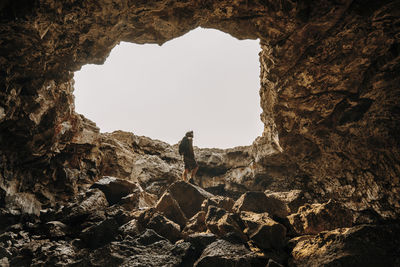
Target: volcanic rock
<point x="101" y="233"/>
<point x="293" y="198"/>
<point x="196" y="224"/>
<point x="114" y="188"/>
<point x="224" y="253"/>
<point x="363" y="245"/>
<point x="312" y="219"/>
<point x="189" y="197"/>
<point x="222" y="223"/>
<point x="169" y="207"/>
<point x="258" y="202"/>
<point x="263" y="231"/>
<point x="165" y="227"/>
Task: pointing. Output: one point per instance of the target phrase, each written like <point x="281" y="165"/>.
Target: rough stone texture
<point x="165" y="228"/>
<point x="294" y="199"/>
<point x="259" y="202"/>
<point x="189" y="197"/>
<point x="169" y="207"/>
<point x="364" y="245"/>
<point x="196" y="224"/>
<point x="312" y="219"/>
<point x="114" y="188"/>
<point x="224" y="253"/>
<point x="265" y="232"/>
<point x="329" y="94"/>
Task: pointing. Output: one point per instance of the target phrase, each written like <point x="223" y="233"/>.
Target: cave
<point x="330" y="100"/>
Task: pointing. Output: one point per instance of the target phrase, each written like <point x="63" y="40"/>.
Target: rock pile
<point x="188" y="226"/>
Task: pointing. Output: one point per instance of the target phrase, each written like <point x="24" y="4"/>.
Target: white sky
<point x="205" y="81"/>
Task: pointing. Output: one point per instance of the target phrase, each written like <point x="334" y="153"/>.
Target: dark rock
<point x="222" y="223"/>
<point x="149" y="237"/>
<point x="130" y="202"/>
<point x="189" y="197"/>
<point x="115" y="188"/>
<point x="263" y="231"/>
<point x="223" y="253"/>
<point x="312" y="219"/>
<point x="2" y="197"/>
<point x="165" y="228"/>
<point x="58" y="253"/>
<point x="169" y="207"/>
<point x="258" y="202"/>
<point x="91" y="208"/>
<point x="55" y="229"/>
<point x="100" y="234"/>
<point x="293" y="198"/>
<point x="118" y="213"/>
<point x="272" y="263"/>
<point x="130" y="228"/>
<point x="363" y="245"/>
<point x="201" y="240"/>
<point x="196" y="224"/>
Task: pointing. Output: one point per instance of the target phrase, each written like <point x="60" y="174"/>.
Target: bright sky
<point x="205" y="81"/>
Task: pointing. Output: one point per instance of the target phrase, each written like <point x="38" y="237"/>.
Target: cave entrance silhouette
<point x="205" y="80"/>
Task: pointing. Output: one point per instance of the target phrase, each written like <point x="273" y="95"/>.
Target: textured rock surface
<point x="364" y="245"/>
<point x="330" y="99"/>
<point x="315" y="218"/>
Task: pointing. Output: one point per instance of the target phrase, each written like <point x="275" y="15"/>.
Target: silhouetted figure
<point x="186" y="149"/>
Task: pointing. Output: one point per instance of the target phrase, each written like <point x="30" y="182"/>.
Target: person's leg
<point x="194" y="171"/>
<point x="184" y="175"/>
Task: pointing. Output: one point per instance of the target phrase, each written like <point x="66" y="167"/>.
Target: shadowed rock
<point x="165" y="227"/>
<point x="115" y="188"/>
<point x="363" y="245"/>
<point x="263" y="231"/>
<point x="196" y="224"/>
<point x="258" y="202"/>
<point x="312" y="219"/>
<point x="189" y="197"/>
<point x="293" y="198"/>
<point x="169" y="207"/>
<point x="223" y="253"/>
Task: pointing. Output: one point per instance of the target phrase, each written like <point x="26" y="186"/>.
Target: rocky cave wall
<point x="329" y="93"/>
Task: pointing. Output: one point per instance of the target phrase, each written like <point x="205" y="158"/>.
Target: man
<point x="186" y="149"/>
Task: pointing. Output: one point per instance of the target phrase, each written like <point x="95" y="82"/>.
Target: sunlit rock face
<point x="329" y="93"/>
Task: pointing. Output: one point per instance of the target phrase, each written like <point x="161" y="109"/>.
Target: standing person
<point x="186" y="149"/>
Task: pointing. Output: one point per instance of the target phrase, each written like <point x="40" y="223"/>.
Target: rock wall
<point x="329" y="93"/>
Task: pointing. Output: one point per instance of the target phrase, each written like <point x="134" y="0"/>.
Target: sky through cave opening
<point x="205" y="81"/>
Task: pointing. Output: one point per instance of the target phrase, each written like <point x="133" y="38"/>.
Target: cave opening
<point x="205" y="80"/>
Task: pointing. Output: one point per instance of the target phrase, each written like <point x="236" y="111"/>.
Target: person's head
<point x="189" y="134"/>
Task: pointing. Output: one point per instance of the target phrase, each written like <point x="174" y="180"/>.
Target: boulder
<point x="2" y="197"/>
<point x="293" y="198"/>
<point x="223" y="253"/>
<point x="223" y="223"/>
<point x="100" y="234"/>
<point x="363" y="245"/>
<point x="263" y="231"/>
<point x="225" y="203"/>
<point x="115" y="188"/>
<point x="147" y="200"/>
<point x="130" y="202"/>
<point x="315" y="218"/>
<point x="196" y="224"/>
<point x="91" y="207"/>
<point x="130" y="228"/>
<point x="55" y="229"/>
<point x="165" y="227"/>
<point x="258" y="202"/>
<point x="149" y="237"/>
<point x="169" y="207"/>
<point x="189" y="197"/>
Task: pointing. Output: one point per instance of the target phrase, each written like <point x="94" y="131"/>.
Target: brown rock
<point x="169" y="207"/>
<point x="293" y="198"/>
<point x="265" y="232"/>
<point x="196" y="224"/>
<point x="224" y="253"/>
<point x="222" y="223"/>
<point x="147" y="200"/>
<point x="259" y="202"/>
<point x="130" y="228"/>
<point x="312" y="219"/>
<point x="189" y="197"/>
<point x="115" y="188"/>
<point x="363" y="245"/>
<point x="165" y="227"/>
<point x="130" y="202"/>
<point x="100" y="234"/>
